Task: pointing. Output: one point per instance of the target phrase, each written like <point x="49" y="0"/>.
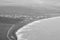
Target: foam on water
<point x="38" y="21"/>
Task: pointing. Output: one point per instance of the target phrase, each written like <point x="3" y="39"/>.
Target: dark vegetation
<point x="3" y="31"/>
<point x="5" y="25"/>
<point x="8" y="20"/>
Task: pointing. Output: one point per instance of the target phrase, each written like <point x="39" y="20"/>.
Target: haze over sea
<point x="30" y="7"/>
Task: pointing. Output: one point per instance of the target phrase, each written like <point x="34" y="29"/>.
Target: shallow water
<point x="46" y="30"/>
